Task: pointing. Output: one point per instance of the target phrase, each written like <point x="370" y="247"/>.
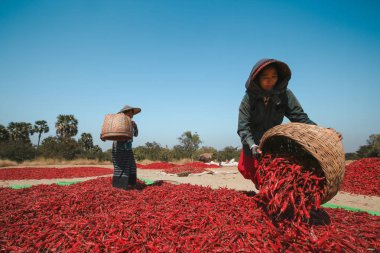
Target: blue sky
<point x="185" y="63"/>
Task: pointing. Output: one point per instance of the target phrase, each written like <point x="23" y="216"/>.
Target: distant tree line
<point x="371" y="149"/>
<point x="188" y="147"/>
<point x="15" y="144"/>
<point x="15" y="141"/>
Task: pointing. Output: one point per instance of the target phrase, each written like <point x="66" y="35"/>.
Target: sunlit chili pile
<point x="194" y="167"/>
<point x="92" y="217"/>
<point x="156" y="166"/>
<point x="362" y="177"/>
<point x="49" y="173"/>
<point x="290" y="187"/>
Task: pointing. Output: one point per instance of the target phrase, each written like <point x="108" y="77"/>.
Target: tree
<point x="139" y="153"/>
<point x="86" y="141"/>
<point x="66" y="126"/>
<point x="206" y="149"/>
<point x="20" y="131"/>
<point x="50" y="147"/>
<point x="4" y="134"/>
<point x="95" y="152"/>
<point x="364" y="151"/>
<point x="178" y="152"/>
<point x="88" y="149"/>
<point x="166" y="154"/>
<point x="228" y="153"/>
<point x="17" y="151"/>
<point x="372" y="149"/>
<point x="40" y="127"/>
<point x="190" y="143"/>
<point x="374" y="143"/>
<point x="53" y="147"/>
<point x="107" y="155"/>
<point x="96" y="149"/>
<point x="15" y="142"/>
<point x="152" y="151"/>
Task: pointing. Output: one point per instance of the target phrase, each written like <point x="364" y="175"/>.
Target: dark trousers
<point x="124" y="166"/>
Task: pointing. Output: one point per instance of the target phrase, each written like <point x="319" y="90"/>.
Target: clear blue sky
<point x="185" y="63"/>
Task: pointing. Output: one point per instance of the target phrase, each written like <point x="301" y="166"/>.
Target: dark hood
<point x="284" y="75"/>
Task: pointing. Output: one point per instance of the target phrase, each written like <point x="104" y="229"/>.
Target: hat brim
<point x="135" y="110"/>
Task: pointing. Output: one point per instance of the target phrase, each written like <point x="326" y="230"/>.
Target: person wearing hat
<point x="125" y="175"/>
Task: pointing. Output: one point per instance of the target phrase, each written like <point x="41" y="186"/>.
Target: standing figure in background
<point x="125" y="173"/>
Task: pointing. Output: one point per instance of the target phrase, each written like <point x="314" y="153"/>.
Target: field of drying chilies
<point x="294" y="180"/>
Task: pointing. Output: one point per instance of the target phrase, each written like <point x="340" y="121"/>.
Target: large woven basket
<point x="314" y="142"/>
<point x="116" y="127"/>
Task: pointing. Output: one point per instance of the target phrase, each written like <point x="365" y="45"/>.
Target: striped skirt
<point x="124" y="165"/>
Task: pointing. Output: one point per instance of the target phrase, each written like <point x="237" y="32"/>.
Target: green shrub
<point x="17" y="151"/>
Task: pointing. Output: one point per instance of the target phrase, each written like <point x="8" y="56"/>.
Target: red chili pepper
<point x="50" y="173"/>
<point x="173" y="218"/>
<point x="360" y="177"/>
<point x="167" y="166"/>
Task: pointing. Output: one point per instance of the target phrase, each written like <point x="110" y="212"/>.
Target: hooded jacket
<point x="255" y="118"/>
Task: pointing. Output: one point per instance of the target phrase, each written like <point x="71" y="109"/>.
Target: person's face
<point x="268" y="78"/>
<point x="129" y="114"/>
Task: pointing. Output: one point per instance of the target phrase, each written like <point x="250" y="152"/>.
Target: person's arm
<point x="294" y="111"/>
<point x="135" y="129"/>
<point x="244" y="123"/>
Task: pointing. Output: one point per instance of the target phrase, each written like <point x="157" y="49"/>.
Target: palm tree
<point x="40" y="127"/>
<point x="86" y="141"/>
<point x="19" y="131"/>
<point x="4" y="134"/>
<point x="67" y="126"/>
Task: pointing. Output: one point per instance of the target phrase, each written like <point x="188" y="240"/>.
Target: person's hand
<point x="255" y="150"/>
<point x="339" y="134"/>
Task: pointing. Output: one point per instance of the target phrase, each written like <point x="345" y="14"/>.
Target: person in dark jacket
<point x="125" y="174"/>
<point x="265" y="104"/>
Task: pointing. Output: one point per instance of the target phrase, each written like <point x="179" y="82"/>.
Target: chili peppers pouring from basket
<point x="289" y="186"/>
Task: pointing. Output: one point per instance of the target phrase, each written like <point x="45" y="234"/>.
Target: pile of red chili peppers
<point x="194" y="167"/>
<point x="288" y="188"/>
<point x="95" y="217"/>
<point x="50" y="173"/>
<point x="362" y="177"/>
<point x="156" y="166"/>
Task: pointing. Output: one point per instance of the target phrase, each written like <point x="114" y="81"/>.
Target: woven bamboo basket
<point x="116" y="127"/>
<point x="313" y="142"/>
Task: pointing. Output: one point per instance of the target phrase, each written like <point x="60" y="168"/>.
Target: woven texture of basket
<point x="314" y="142"/>
<point x="116" y="127"/>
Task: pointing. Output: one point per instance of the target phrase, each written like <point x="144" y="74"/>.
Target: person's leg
<point x="132" y="169"/>
<point x="120" y="175"/>
<point x="120" y="182"/>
